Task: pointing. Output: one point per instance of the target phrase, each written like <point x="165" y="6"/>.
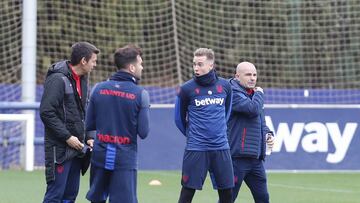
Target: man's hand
<point x="74" y="143"/>
<point x="259" y="89"/>
<point x="90" y="142"/>
<point x="270" y="140"/>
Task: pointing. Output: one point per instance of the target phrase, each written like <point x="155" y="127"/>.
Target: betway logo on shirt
<point x="209" y="101"/>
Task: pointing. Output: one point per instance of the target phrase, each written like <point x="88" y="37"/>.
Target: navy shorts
<point x="196" y="164"/>
<point x="118" y="185"/>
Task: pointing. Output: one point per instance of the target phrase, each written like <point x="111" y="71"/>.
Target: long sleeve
<point x="90" y="120"/>
<point x="143" y="119"/>
<point x="52" y="100"/>
<point x="228" y="103"/>
<point x="180" y="112"/>
<point x="265" y="128"/>
<point x="250" y="106"/>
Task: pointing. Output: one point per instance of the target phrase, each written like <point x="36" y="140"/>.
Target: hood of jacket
<point x="59" y="67"/>
<point x="124" y="76"/>
<point x="236" y="86"/>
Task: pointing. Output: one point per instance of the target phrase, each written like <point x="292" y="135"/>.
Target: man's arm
<point x="51" y="101"/>
<point x="143" y="118"/>
<point x="90" y="119"/>
<point x="228" y="103"/>
<point x="243" y="104"/>
<point x="180" y="111"/>
<point x="269" y="135"/>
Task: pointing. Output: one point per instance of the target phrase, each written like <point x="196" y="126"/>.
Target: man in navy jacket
<point x="202" y="108"/>
<point x="118" y="112"/>
<point x="248" y="133"/>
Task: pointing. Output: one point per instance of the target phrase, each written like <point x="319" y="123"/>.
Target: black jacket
<point x="62" y="112"/>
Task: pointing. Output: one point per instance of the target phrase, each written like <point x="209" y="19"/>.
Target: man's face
<point x="138" y="67"/>
<point x="202" y="65"/>
<point x="247" y="76"/>
<point x="88" y="66"/>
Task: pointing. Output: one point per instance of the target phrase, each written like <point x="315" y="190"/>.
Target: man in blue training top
<point x="118" y="111"/>
<point x="248" y="133"/>
<point x="202" y="109"/>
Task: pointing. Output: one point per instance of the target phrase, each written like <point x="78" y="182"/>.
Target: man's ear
<point x="83" y="61"/>
<point x="131" y="68"/>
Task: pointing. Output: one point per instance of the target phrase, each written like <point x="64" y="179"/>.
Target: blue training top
<point x="118" y="111"/>
<point x="202" y="108"/>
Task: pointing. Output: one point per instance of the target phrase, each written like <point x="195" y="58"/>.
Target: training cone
<point x="155" y="182"/>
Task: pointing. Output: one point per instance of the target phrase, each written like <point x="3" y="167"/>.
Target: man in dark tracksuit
<point x="62" y="110"/>
<point x="248" y="133"/>
<point x="118" y="112"/>
<point x="202" y="108"/>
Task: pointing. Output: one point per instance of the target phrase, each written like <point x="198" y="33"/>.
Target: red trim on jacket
<point x="243" y="139"/>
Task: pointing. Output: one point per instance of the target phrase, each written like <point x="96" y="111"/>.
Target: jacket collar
<point x="124" y="76"/>
<point x="208" y="79"/>
<point x="236" y="85"/>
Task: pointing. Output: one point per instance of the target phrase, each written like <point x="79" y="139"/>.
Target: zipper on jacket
<point x="243" y="139"/>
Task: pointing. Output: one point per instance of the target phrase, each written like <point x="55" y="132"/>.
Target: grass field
<point x="29" y="187"/>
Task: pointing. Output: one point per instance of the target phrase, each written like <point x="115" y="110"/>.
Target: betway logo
<point x="315" y="138"/>
<point x="209" y="101"/>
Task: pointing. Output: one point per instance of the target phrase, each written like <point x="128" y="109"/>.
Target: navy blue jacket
<point x="202" y="109"/>
<point x="118" y="111"/>
<point x="246" y="126"/>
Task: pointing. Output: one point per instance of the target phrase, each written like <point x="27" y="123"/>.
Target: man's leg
<point x="122" y="186"/>
<point x="73" y="181"/>
<point x="194" y="171"/>
<point x="241" y="168"/>
<point x="225" y="195"/>
<point x="186" y="195"/>
<point x="222" y="174"/>
<point x="99" y="184"/>
<point x="55" y="189"/>
<point x="256" y="181"/>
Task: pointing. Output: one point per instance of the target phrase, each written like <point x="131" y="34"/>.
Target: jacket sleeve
<point x="265" y="129"/>
<point x="143" y="118"/>
<point x="90" y="119"/>
<point x="228" y="103"/>
<point x="51" y="102"/>
<point x="181" y="104"/>
<point x="246" y="105"/>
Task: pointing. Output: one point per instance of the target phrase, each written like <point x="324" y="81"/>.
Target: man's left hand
<point x="270" y="140"/>
<point x="90" y="142"/>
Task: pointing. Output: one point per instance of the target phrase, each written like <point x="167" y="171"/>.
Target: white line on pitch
<point x="312" y="188"/>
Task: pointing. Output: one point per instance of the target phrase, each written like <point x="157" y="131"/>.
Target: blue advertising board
<point x="306" y="139"/>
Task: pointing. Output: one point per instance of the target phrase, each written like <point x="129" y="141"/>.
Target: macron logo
<point x="208" y="101"/>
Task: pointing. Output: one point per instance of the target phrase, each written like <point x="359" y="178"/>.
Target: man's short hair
<point x="81" y="50"/>
<point x="126" y="55"/>
<point x="209" y="53"/>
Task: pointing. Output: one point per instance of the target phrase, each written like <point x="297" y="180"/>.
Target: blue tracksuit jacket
<point x="118" y="111"/>
<point x="246" y="126"/>
<point x="202" y="107"/>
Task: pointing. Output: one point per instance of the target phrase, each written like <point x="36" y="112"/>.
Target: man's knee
<point x="186" y="195"/>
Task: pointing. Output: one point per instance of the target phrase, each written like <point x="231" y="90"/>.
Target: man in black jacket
<point x="248" y="133"/>
<point x="62" y="111"/>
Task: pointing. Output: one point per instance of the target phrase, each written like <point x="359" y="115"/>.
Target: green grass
<point x="20" y="186"/>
